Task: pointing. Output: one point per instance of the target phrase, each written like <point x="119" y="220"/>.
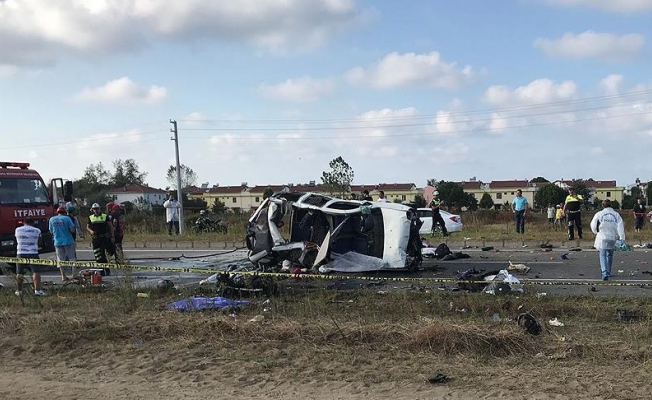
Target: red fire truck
<point x="23" y="194"/>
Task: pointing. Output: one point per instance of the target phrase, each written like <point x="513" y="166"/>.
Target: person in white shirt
<point x="551" y="215"/>
<point x="172" y="214"/>
<point x="608" y="227"/>
<point x="381" y="197"/>
<point x="27" y="237"/>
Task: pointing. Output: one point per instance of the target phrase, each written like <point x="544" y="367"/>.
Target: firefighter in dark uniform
<point x="639" y="215"/>
<point x="101" y="230"/>
<point x="435" y="204"/>
<point x="573" y="213"/>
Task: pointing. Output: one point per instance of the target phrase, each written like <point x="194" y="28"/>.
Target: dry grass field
<point x="322" y="344"/>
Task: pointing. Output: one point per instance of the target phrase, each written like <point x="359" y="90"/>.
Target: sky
<point x="269" y="91"/>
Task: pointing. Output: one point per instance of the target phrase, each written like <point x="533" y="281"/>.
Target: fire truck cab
<point x="23" y="194"/>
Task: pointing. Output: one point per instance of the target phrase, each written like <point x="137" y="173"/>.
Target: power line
<point x="410" y="125"/>
<point x="120" y="138"/>
<point x="479" y="129"/>
<point x="452" y="113"/>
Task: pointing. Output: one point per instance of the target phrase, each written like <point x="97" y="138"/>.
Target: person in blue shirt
<point x="63" y="230"/>
<point x="519" y="207"/>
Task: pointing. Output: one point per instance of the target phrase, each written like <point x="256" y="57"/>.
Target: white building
<point x="141" y="196"/>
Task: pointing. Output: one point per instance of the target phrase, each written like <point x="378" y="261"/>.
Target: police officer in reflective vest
<point x="573" y="213"/>
<point x="435" y="204"/>
<point x="101" y="230"/>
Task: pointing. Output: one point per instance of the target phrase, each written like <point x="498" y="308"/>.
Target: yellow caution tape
<point x="93" y="264"/>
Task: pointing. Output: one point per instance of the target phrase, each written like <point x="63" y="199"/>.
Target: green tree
<point x="539" y="179"/>
<point x="267" y="192"/>
<point x="596" y="203"/>
<point x="472" y="202"/>
<point x="431" y="182"/>
<point x="581" y="187"/>
<point x="188" y="203"/>
<point x="454" y="196"/>
<point x="630" y="199"/>
<point x="486" y="202"/>
<point x="141" y="203"/>
<point x="96" y="175"/>
<point x="218" y="207"/>
<point x="92" y="186"/>
<point x="188" y="176"/>
<point x="419" y="201"/>
<point x="615" y="205"/>
<point x="126" y="173"/>
<point x="549" y="194"/>
<point x="339" y="179"/>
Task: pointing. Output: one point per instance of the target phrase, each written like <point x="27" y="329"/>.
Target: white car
<point x="333" y="234"/>
<point x="453" y="221"/>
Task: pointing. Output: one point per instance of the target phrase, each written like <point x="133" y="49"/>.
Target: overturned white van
<point x="334" y="234"/>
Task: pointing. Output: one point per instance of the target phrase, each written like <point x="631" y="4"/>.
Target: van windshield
<point x="23" y="191"/>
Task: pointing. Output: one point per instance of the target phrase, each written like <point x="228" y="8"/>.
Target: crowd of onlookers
<point x="106" y="229"/>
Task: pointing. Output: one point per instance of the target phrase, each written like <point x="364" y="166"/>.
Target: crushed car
<point x="331" y="234"/>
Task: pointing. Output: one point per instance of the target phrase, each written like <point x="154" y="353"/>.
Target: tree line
<point x="97" y="180"/>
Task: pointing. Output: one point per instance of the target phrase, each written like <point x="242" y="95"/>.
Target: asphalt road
<point x="580" y="267"/>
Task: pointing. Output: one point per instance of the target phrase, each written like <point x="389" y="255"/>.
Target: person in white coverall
<point x="608" y="227"/>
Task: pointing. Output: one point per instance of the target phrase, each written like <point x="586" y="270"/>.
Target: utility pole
<point x="176" y="150"/>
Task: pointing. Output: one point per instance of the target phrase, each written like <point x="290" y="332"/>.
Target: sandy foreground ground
<point x="132" y="373"/>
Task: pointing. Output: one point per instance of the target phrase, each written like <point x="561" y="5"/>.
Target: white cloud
<point x="588" y="115"/>
<point x="498" y="123"/>
<point x="93" y="147"/>
<point x="447" y="122"/>
<point x="39" y="32"/>
<point x="590" y="44"/>
<point x="540" y="92"/>
<point x="380" y="130"/>
<point x="194" y="116"/>
<point x="453" y="153"/>
<point x="622" y="118"/>
<point x="123" y="90"/>
<point x="300" y="90"/>
<point x="621" y="6"/>
<point x="379" y="122"/>
<point x="536" y="92"/>
<point x="611" y="84"/>
<point x="411" y="70"/>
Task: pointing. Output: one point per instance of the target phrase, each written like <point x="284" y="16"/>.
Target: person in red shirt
<point x="118" y="220"/>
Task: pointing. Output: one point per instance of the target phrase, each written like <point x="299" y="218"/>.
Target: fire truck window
<point x="22" y="191"/>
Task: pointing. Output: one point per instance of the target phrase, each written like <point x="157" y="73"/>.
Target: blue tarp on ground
<point x="204" y="303"/>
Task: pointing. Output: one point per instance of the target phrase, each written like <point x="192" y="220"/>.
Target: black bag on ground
<point x="442" y="251"/>
<point x="455" y="256"/>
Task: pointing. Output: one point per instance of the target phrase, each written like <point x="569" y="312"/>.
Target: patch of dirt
<point x="171" y="370"/>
